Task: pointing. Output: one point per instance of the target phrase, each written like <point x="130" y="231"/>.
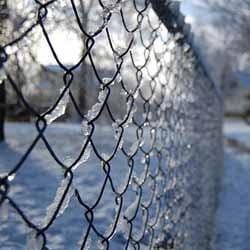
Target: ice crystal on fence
<point x="118" y="133"/>
<point x="124" y="222"/>
<point x="129" y="114"/>
<point x="51" y="209"/>
<point x="105" y="156"/>
<point x="87" y="245"/>
<point x="123" y="184"/>
<point x="123" y="226"/>
<point x="33" y="240"/>
<point x="96" y="108"/>
<point x="112" y="226"/>
<point x="60" y="108"/>
<point x="131" y="209"/>
<point x="107" y="80"/>
<point x="113" y="6"/>
<point x="11" y="177"/>
<point x="156" y="99"/>
<point x="85" y="128"/>
<point x="83" y="159"/>
<point x="134" y="147"/>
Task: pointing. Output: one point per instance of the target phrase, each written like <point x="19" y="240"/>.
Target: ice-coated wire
<point x="168" y="101"/>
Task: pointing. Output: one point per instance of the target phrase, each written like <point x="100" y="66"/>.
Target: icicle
<point x="59" y="193"/>
<point x="60" y="108"/>
<point x="130" y="211"/>
<point x="105" y="156"/>
<point x="83" y="159"/>
<point x="134" y="148"/>
<point x="111" y="226"/>
<point x="133" y="184"/>
<point x="32" y="241"/>
<point x="95" y="110"/>
<point x="124" y="182"/>
<point x="87" y="245"/>
<point x="85" y="128"/>
<point x="123" y="225"/>
<point x="118" y="132"/>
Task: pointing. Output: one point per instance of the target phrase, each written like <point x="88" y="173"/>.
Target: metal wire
<point x="170" y="105"/>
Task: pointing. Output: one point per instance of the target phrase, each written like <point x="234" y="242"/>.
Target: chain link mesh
<point x="158" y="111"/>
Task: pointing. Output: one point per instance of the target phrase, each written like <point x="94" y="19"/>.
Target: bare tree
<point x="3" y="17"/>
<point x="234" y="17"/>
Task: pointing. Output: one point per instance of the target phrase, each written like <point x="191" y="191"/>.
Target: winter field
<point x="36" y="184"/>
<point x="34" y="196"/>
<point x="233" y="215"/>
<point x="232" y="218"/>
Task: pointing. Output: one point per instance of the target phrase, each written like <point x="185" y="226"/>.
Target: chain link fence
<point x="142" y="169"/>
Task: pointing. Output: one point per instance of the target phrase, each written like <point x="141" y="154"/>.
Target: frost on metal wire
<point x="61" y="201"/>
<point x="60" y="108"/>
<point x="33" y="241"/>
<point x="141" y="163"/>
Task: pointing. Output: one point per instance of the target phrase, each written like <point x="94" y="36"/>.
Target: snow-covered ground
<point x="233" y="215"/>
<point x="34" y="195"/>
<point x="232" y="218"/>
<point x="35" y="186"/>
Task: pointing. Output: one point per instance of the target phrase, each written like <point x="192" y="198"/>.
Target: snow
<point x="38" y="199"/>
<point x="40" y="184"/>
<point x="233" y="214"/>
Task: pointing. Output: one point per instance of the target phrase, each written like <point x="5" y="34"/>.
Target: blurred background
<point x="221" y="32"/>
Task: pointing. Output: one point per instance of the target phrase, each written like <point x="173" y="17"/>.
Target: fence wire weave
<point x="150" y="141"/>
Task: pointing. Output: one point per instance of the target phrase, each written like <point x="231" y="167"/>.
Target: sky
<point x="68" y="48"/>
<point x="66" y="45"/>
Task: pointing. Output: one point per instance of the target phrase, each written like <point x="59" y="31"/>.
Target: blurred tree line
<point x="225" y="37"/>
<point x="23" y="65"/>
<point x="41" y="84"/>
<point x="233" y="19"/>
<point x="3" y="18"/>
